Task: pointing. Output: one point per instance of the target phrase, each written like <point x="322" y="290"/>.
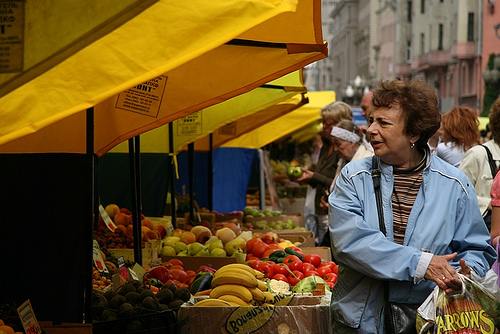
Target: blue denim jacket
<point x="445" y="218"/>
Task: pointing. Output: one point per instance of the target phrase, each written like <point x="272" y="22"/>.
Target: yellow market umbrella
<point x="39" y="34"/>
<point x="199" y="124"/>
<point x="307" y="133"/>
<point x="173" y="68"/>
<point x="483" y="121"/>
<point x="286" y="124"/>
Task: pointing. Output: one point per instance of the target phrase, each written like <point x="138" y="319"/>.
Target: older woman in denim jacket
<point x="431" y="215"/>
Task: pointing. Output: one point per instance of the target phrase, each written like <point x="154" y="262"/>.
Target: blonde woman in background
<point x="322" y="176"/>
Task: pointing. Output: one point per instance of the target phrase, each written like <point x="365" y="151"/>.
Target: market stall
<point x="53" y="101"/>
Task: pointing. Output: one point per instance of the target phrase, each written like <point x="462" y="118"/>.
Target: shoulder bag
<point x="493" y="169"/>
<point x="399" y="318"/>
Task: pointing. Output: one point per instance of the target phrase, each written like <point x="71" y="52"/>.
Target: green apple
<point x="218" y="252"/>
<point x="168" y="251"/>
<point x="183" y="253"/>
<point x="194" y="248"/>
<point x="203" y="252"/>
<point x="215" y="244"/>
<point x="180" y="246"/>
<point x="235" y="245"/>
<point x="170" y="241"/>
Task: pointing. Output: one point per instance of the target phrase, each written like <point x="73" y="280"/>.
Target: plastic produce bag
<point x="473" y="310"/>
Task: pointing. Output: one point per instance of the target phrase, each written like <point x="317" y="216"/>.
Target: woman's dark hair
<point x="495" y="120"/>
<point x="419" y="105"/>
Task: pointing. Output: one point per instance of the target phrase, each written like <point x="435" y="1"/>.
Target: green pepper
<point x="277" y="256"/>
<point x="291" y="251"/>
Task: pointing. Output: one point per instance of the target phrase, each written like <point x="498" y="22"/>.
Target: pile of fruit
<point x="289" y="264"/>
<point x="5" y="329"/>
<point x="170" y="272"/>
<point x="266" y="220"/>
<point x="200" y="241"/>
<point x="122" y="236"/>
<point x="236" y="285"/>
<point x="100" y="281"/>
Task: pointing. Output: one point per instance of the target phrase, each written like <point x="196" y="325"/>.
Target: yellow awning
<point x="244" y="44"/>
<point x="286" y="124"/>
<point x="307" y="133"/>
<point x="483" y="121"/>
<point x="199" y="124"/>
<point x="40" y="34"/>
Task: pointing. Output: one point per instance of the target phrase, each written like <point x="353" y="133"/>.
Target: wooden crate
<point x="65" y="328"/>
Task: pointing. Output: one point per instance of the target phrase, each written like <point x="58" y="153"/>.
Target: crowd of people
<point x="405" y="203"/>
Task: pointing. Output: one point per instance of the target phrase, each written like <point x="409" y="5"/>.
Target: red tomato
<point x="265" y="268"/>
<point x="279" y="269"/>
<point x="251" y="244"/>
<point x="179" y="275"/>
<point x="299" y="274"/>
<point x="191" y="273"/>
<point x="310" y="273"/>
<point x="297" y="249"/>
<point x="308" y="266"/>
<point x="332" y="265"/>
<point x="293" y="262"/>
<point x="280" y="277"/>
<point x="313" y="259"/>
<point x="175" y="262"/>
<point x="322" y="271"/>
<point x="253" y="263"/>
<point x="176" y="266"/>
<point x="331" y="277"/>
<point x="293" y="280"/>
<point x="260" y="248"/>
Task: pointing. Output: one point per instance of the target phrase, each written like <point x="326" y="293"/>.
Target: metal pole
<point x="190" y="182"/>
<point x="262" y="182"/>
<point x="135" y="183"/>
<point x="87" y="290"/>
<point x="172" y="172"/>
<point x="210" y="176"/>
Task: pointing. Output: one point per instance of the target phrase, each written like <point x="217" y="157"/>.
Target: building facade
<point x="444" y="42"/>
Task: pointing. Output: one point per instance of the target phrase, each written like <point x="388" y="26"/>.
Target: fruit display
<point x="267" y="220"/>
<point x="6" y="329"/>
<point x="100" y="282"/>
<point x="201" y="241"/>
<point x="122" y="236"/>
<point x="170" y="272"/>
<point x="288" y="264"/>
<point x="237" y="285"/>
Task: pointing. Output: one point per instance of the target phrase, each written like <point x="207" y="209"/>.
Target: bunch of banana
<point x="214" y="302"/>
<point x="237" y="283"/>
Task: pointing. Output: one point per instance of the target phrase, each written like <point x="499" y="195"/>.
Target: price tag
<point x="98" y="258"/>
<point x="28" y="318"/>
<point x="107" y="220"/>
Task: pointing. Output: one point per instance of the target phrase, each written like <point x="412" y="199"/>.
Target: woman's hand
<point x="444" y="275"/>
<point x="306" y="176"/>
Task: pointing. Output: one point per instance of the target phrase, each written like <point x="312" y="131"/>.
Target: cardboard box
<point x="324" y="252"/>
<point x="306" y="238"/>
<point x="257" y="319"/>
<point x="65" y="328"/>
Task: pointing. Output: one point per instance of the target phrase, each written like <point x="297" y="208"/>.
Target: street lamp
<point x="355" y="90"/>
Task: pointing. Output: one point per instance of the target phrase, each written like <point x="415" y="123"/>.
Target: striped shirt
<point x="406" y="186"/>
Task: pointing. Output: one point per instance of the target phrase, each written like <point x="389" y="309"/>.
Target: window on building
<point x="408" y="50"/>
<point x="409" y="5"/>
<point x="440" y="37"/>
<point x="422" y="6"/>
<point x="422" y="43"/>
<point x="470" y="27"/>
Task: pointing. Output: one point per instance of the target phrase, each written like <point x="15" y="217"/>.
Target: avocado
<point x="150" y="303"/>
<point x="175" y="304"/>
<point x="146" y="293"/>
<point x="133" y="297"/>
<point x="128" y="287"/>
<point x="134" y="326"/>
<point x="116" y="301"/>
<point x="183" y="294"/>
<point x="108" y="315"/>
<point x="126" y="310"/>
<point x="165" y="296"/>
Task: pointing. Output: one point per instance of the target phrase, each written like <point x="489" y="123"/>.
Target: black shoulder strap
<point x="493" y="166"/>
<point x="378" y="193"/>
